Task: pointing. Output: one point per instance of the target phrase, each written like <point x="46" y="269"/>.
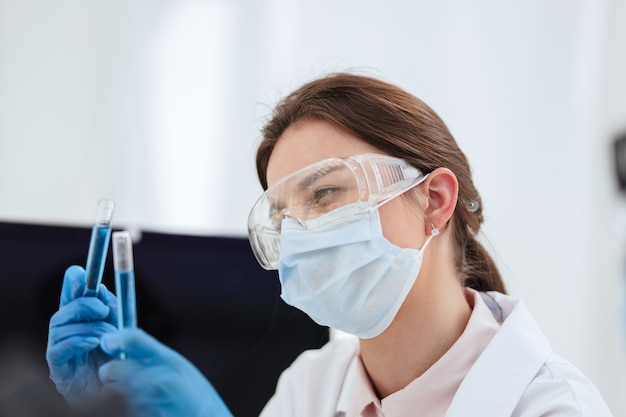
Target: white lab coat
<point x="517" y="375"/>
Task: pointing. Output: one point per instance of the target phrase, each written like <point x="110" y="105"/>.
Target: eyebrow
<point x="305" y="183"/>
<point x="314" y="177"/>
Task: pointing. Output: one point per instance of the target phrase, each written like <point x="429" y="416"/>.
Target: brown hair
<point x="401" y="125"/>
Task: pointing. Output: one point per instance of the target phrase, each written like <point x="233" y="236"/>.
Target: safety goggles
<point x="315" y="195"/>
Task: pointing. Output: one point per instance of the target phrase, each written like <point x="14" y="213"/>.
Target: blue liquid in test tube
<point x="98" y="247"/>
<point x="124" y="280"/>
<point x="126" y="306"/>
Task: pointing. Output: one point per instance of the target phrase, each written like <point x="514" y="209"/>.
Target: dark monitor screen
<point x="206" y="297"/>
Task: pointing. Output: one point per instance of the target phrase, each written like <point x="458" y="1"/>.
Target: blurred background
<point x="157" y="105"/>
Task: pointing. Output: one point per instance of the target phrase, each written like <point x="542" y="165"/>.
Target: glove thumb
<point x="73" y="284"/>
<point x="134" y="343"/>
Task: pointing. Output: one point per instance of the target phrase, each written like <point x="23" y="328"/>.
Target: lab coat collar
<point x="519" y="349"/>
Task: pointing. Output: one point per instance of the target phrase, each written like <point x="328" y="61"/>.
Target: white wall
<point x="157" y="105"/>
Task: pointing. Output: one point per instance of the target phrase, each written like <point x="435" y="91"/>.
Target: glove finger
<point x="73" y="284"/>
<point x="109" y="299"/>
<point x="91" y="329"/>
<point x="135" y="343"/>
<point x="61" y="353"/>
<point x="129" y="372"/>
<point x="83" y="309"/>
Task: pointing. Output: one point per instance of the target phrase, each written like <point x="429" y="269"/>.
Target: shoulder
<point x="561" y="389"/>
<point x="558" y="388"/>
<point x="523" y="374"/>
<point x="313" y="381"/>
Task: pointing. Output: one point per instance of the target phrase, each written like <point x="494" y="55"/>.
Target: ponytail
<point x="476" y="268"/>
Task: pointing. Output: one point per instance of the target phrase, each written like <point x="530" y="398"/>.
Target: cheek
<point x="403" y="223"/>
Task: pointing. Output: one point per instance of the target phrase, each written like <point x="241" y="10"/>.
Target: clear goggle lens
<point x="312" y="195"/>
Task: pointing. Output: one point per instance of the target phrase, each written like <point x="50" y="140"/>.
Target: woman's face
<point x="310" y="141"/>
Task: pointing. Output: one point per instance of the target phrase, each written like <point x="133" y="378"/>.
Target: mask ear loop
<point x="434" y="232"/>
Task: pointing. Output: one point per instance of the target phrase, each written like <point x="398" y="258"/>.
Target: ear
<point x="442" y="190"/>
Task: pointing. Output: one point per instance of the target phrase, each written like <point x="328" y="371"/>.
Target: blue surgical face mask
<point x="347" y="276"/>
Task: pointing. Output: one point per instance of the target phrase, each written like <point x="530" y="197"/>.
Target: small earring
<point x="434" y="232"/>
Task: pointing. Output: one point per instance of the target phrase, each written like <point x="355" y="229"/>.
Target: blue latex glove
<point x="73" y="351"/>
<point x="156" y="380"/>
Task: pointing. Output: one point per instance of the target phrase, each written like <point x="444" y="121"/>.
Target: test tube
<point x="98" y="247"/>
<point x="124" y="279"/>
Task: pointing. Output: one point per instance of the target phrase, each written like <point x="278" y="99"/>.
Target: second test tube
<point x="124" y="279"/>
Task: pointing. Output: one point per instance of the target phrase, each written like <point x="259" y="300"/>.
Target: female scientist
<point x="371" y="218"/>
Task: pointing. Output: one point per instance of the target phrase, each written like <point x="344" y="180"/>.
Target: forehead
<point x="310" y="141"/>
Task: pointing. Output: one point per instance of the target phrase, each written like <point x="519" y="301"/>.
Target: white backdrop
<point x="157" y="105"/>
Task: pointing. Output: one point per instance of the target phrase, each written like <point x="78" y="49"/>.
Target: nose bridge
<point x="287" y="213"/>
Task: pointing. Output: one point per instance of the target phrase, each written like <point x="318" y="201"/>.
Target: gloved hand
<point x="73" y="351"/>
<point x="156" y="380"/>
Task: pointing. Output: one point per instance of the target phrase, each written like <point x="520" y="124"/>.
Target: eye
<point x="325" y="195"/>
